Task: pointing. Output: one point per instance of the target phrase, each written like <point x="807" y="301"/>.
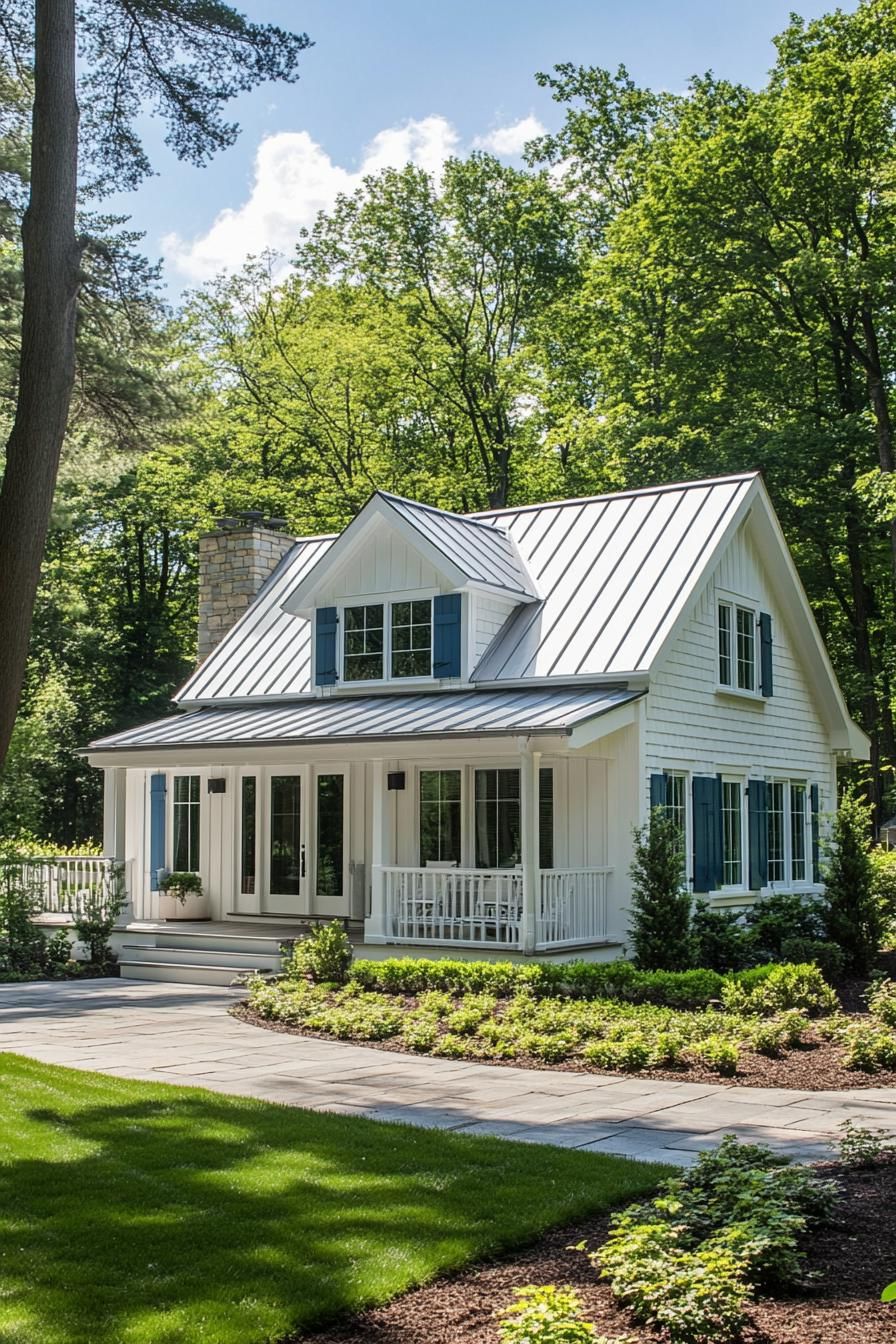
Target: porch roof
<point x="379" y="717"/>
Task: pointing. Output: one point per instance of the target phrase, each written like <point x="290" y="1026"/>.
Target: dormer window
<point x="395" y="635"/>
<point x="364" y="643"/>
<point x="411" y="653"/>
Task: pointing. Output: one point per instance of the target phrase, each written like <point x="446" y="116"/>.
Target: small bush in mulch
<point x="847" y="1261"/>
<point x="773" y="1026"/>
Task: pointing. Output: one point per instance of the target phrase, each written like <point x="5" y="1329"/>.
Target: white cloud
<point x="510" y="140"/>
<point x="294" y="179"/>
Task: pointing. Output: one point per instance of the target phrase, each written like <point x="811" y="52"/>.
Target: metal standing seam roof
<point x="481" y="548"/>
<point x="377" y="718"/>
<point x="614" y="572"/>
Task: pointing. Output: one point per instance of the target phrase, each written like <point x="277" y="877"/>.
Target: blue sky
<point x="406" y="78"/>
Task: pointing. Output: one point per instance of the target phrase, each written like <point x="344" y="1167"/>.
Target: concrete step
<point x="267" y="945"/>
<point x="269" y="960"/>
<point x="178" y="972"/>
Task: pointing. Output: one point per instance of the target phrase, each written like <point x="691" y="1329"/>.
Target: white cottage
<point x="443" y="729"/>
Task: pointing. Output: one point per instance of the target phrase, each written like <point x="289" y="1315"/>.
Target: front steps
<point x="206" y="957"/>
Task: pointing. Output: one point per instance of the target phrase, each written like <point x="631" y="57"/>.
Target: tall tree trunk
<point x="51" y="262"/>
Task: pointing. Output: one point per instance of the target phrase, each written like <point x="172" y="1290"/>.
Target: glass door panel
<point x="286" y="847"/>
<point x="331" y="895"/>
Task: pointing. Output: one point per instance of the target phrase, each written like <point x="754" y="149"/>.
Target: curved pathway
<point x="183" y="1034"/>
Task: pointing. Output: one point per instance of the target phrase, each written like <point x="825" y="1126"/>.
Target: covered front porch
<point x="502" y="827"/>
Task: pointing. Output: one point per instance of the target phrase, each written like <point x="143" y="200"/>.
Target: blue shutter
<point x="766" y="677"/>
<point x="757" y="801"/>
<point x="157" y="788"/>
<point x="657" y="791"/>
<point x="707" y="795"/>
<point x="446" y="635"/>
<point x="816" y="848"/>
<point x="325" y="670"/>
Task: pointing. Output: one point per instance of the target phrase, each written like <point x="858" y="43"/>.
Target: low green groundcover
<point x="142" y="1213"/>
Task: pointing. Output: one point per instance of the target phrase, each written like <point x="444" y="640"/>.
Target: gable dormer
<point x="398" y="599"/>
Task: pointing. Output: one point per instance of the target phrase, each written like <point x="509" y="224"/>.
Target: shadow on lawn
<point x="176" y="1218"/>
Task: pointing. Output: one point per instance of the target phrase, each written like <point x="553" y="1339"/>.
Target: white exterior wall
<point x="384" y="564"/>
<point x="489" y="616"/>
<point x="692" y="726"/>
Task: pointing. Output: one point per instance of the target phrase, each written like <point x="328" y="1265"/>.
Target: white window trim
<point x="202" y="776"/>
<point x="743" y="885"/>
<point x="441" y="767"/>
<point x="800" y="885"/>
<point x="386" y="601"/>
<point x="312" y="856"/>
<point x="732" y="601"/>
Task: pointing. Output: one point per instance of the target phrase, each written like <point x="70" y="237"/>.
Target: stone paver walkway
<point x="182" y="1034"/>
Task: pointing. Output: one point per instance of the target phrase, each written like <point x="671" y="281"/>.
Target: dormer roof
<point x="469" y="552"/>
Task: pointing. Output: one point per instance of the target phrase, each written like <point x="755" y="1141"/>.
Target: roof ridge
<point x="434" y="508"/>
<point x="751" y="475"/>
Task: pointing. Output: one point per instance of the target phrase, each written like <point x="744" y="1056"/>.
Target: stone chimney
<point x="234" y="562"/>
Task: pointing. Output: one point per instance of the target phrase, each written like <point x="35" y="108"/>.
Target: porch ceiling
<point x="379" y="718"/>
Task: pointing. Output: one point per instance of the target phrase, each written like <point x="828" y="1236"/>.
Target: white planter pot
<point x="193" y="907"/>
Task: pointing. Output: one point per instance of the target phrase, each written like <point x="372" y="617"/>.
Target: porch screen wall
<point x="286" y="840"/>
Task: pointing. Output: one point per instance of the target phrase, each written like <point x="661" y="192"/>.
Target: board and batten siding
<point x="691" y="726"/>
<point x="384" y="564"/>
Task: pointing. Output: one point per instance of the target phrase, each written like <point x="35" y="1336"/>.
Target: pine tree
<point x="661" y="905"/>
<point x="853" y="915"/>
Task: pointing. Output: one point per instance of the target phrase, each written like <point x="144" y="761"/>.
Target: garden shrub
<point x="776" y="919"/>
<point x="859" y="1147"/>
<point x="689" y="1259"/>
<point x="325" y="955"/>
<point x="869" y="1048"/>
<point x="719" y="939"/>
<point x="661" y="903"/>
<point x="718" y="1054"/>
<point x="827" y="956"/>
<point x="854" y="918"/>
<point x="697" y="1295"/>
<point x="883" y="882"/>
<point x="22" y="947"/>
<point x="882" y="1002"/>
<point x="546" y="1315"/>
<point x="767" y="990"/>
<point x="57" y="954"/>
<point x="101" y="905"/>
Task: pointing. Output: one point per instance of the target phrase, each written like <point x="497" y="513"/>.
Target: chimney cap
<point x="251" y="516"/>
<point x="225" y="524"/>
<point x="275" y="524"/>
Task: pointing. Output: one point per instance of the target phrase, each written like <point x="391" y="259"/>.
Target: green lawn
<point x="133" y="1212"/>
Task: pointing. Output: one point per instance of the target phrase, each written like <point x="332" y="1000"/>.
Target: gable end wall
<point x="690" y="726"/>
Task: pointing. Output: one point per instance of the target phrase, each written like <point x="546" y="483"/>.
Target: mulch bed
<point x="855" y="1258"/>
<point x="814" y="1067"/>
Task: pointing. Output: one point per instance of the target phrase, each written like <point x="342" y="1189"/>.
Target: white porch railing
<point x="573" y="907"/>
<point x="63" y="886"/>
<point x="484" y="907"/>
<point x="476" y="906"/>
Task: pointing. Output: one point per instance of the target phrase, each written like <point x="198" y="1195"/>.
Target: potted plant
<point x="182" y="897"/>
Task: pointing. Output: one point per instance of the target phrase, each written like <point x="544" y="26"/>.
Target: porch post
<point x="114" y="801"/>
<point x="380" y="854"/>
<point x="114" y="785"/>
<point x="529" y="768"/>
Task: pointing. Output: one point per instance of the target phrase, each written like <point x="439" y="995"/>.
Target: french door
<point x="285" y="891"/>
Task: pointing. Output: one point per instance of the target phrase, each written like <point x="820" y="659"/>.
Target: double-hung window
<point x="186" y="808"/>
<point x="383" y="640"/>
<point x="787" y="820"/>
<point x="732" y="833"/>
<point x="737" y="646"/>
